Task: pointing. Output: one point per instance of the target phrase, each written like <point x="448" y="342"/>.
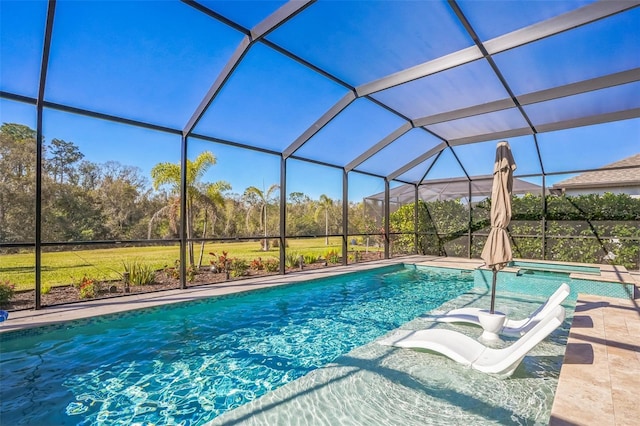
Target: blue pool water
<point x="189" y="363"/>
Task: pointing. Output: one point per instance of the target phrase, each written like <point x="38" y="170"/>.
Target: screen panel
<point x="606" y="143"/>
<point x="460" y="87"/>
<point x="147" y="61"/>
<point x="375" y="38"/>
<point x="100" y="180"/>
<point x="400" y="152"/>
<point x="22" y="25"/>
<point x="600" y="48"/>
<point x="268" y="102"/>
<point x="357" y="128"/>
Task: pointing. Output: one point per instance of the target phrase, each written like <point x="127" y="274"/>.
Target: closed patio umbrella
<point x="497" y="249"/>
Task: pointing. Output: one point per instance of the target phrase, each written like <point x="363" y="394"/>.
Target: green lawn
<point x="67" y="267"/>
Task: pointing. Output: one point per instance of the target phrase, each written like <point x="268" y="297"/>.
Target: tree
<point x="198" y="194"/>
<point x="262" y="199"/>
<point x="61" y="161"/>
<point x="300" y="215"/>
<point x="121" y="192"/>
<point x="234" y="215"/>
<point x="89" y="175"/>
<point x="325" y="204"/>
<point x="70" y="213"/>
<point x="17" y="182"/>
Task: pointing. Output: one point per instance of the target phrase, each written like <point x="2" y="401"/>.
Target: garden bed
<point x="60" y="295"/>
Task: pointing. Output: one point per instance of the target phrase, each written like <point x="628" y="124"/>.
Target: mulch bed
<point x="69" y="294"/>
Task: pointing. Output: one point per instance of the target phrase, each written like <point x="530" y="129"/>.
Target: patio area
<point x="601" y="368"/>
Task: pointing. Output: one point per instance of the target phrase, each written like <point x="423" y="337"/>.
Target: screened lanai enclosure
<point x="154" y="144"/>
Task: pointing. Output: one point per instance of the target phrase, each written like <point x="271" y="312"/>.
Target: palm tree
<point x="207" y="195"/>
<point x="263" y="201"/>
<point x="210" y="198"/>
<point x="325" y="205"/>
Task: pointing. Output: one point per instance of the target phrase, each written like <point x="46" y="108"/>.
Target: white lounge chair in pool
<point x="511" y="327"/>
<point x="468" y="351"/>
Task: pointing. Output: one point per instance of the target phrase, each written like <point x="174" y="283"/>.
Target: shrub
<point x="292" y="259"/>
<point x="238" y="267"/>
<point x="355" y="257"/>
<point x="220" y="263"/>
<point x="271" y="265"/>
<point x="88" y="288"/>
<point x="310" y="258"/>
<point x="332" y="256"/>
<point x="191" y="273"/>
<point x="256" y="264"/>
<point x="173" y="271"/>
<point x="139" y="273"/>
<point x="7" y="290"/>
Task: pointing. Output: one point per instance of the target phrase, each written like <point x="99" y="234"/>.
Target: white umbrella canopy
<point x="497" y="250"/>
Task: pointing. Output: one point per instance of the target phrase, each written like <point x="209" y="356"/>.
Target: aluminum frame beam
<point x="511" y="133"/>
<point x="390" y="138"/>
<point x="550" y="27"/>
<point x="590" y="85"/>
<point x="320" y="123"/>
<point x="214" y="90"/>
<point x="279" y="17"/>
<point x="466" y="112"/>
<point x="44" y="67"/>
<point x="433" y="151"/>
<point x="594" y="84"/>
<point x="550" y="127"/>
<point x="270" y="23"/>
<point x="587" y="121"/>
<point x="434" y="66"/>
<point x="520" y="37"/>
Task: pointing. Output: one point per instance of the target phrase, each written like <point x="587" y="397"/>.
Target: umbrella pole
<point x="493" y="290"/>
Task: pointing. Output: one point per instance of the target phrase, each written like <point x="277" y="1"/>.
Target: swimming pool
<point x="188" y="363"/>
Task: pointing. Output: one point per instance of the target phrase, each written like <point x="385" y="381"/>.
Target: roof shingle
<point x="625" y="172"/>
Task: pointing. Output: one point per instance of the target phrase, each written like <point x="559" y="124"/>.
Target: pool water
<point x="380" y="385"/>
<point x="191" y="362"/>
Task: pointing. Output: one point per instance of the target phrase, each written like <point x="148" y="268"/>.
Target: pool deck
<point x="600" y="374"/>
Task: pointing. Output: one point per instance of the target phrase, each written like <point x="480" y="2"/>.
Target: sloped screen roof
<point x="381" y="87"/>
<point x="451" y="190"/>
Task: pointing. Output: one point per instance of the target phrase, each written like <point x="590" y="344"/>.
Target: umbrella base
<point x="491" y="323"/>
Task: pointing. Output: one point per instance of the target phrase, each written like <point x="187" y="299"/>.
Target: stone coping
<point x="32" y="318"/>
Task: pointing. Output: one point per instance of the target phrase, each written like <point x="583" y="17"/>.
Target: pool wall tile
<point x="538" y="282"/>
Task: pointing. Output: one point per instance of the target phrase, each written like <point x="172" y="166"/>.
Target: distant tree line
<point x="81" y="200"/>
<point x="88" y="201"/>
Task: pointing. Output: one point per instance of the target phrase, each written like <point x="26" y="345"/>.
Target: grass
<point x="68" y="267"/>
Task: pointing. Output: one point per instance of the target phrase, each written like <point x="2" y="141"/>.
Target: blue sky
<point x="154" y="62"/>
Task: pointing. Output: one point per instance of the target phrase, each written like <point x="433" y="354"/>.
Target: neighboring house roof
<point x="625" y="172"/>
